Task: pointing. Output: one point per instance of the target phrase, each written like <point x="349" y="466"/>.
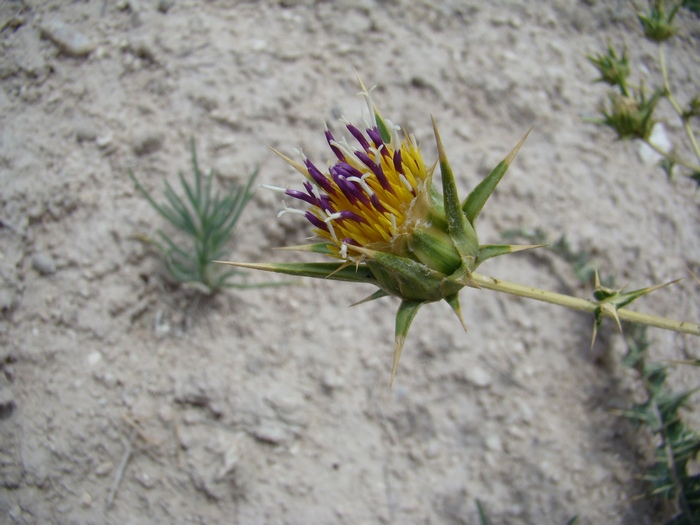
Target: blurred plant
<point x="484" y="519"/>
<point x="679" y="445"/>
<point x="630" y="110"/>
<point x="207" y="219"/>
<point x="670" y="475"/>
<point x="378" y="214"/>
<point x="583" y="266"/>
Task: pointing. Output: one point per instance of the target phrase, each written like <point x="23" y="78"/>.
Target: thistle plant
<point x="207" y="219"/>
<point x="379" y="217"/>
<point x="670" y="476"/>
<point x="630" y="110"/>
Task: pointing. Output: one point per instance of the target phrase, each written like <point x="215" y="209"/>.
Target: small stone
<point x="432" y="450"/>
<point x="478" y="377"/>
<point x="94" y="358"/>
<point x="147" y="142"/>
<point x="104" y="468"/>
<point x="43" y="263"/>
<point x="270" y="432"/>
<point x="86" y="500"/>
<point x="331" y="381"/>
<point x="104" y="140"/>
<point x="145" y="480"/>
<point x="165" y="414"/>
<point x="67" y="39"/>
<point x="7" y="403"/>
<point x="289" y="406"/>
<point x="7" y="299"/>
<point x="165" y="5"/>
<point x="660" y="139"/>
<point x="85" y="133"/>
<point x="493" y="442"/>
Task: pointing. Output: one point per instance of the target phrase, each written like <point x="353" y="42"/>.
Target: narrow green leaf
<point x="404" y="318"/>
<point x="193" y="199"/>
<point x="336" y="271"/>
<point x="197" y="172"/>
<point x="632" y="296"/>
<point x="453" y="301"/>
<point x="185" y="221"/>
<point x="384" y="131"/>
<point x="488" y="251"/>
<point x="482" y="514"/>
<point x="461" y="231"/>
<point x="164" y="212"/>
<point x="376" y="295"/>
<point x="475" y="201"/>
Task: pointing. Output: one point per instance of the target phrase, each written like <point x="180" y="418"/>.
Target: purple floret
<point x="319" y="177"/>
<point x="376" y="169"/>
<point x="316" y="221"/>
<point x="336" y="150"/>
<point x="358" y="136"/>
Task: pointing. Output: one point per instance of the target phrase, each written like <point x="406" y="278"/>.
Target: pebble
<point x="86" y="500"/>
<point x="147" y="142"/>
<point x="477" y="376"/>
<point x="165" y="5"/>
<point x="331" y="381"/>
<point x="7" y="300"/>
<point x="104" y="468"/>
<point x="67" y="39"/>
<point x="94" y="358"/>
<point x="44" y="263"/>
<point x="7" y="403"/>
<point x="270" y="432"/>
<point x="85" y="133"/>
<point x="104" y="140"/>
<point x="289" y="406"/>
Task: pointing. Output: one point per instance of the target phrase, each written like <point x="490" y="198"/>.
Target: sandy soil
<point x="125" y="401"/>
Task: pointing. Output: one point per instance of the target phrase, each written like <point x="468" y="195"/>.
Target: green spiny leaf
<point x="335" y="271"/>
<point x="404" y="318"/>
<point x="475" y="201"/>
<point x="462" y="232"/>
<point x="488" y="251"/>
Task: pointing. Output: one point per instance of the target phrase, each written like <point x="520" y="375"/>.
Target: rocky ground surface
<point x="125" y="399"/>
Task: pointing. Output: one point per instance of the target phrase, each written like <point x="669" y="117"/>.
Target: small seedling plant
<point x="206" y="219"/>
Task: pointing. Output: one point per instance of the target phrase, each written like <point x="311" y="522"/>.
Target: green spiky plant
<point x="484" y="519"/>
<point x="670" y="476"/>
<point x="630" y="111"/>
<point x="206" y="219"/>
<point x="631" y="116"/>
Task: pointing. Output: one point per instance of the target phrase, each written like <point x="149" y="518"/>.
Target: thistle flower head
<point x="613" y="69"/>
<point x="657" y="22"/>
<point x="631" y="118"/>
<point x="376" y="212"/>
<point x="366" y="198"/>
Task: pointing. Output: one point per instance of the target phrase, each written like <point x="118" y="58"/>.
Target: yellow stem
<point x="671" y="157"/>
<point x="676" y="105"/>
<point x="583" y="305"/>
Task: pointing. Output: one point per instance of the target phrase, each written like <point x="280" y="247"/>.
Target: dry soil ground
<point x="123" y="400"/>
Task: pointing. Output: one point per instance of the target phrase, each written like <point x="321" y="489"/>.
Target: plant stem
<point x="583" y="305"/>
<point x="671" y="157"/>
<point x="677" y="107"/>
